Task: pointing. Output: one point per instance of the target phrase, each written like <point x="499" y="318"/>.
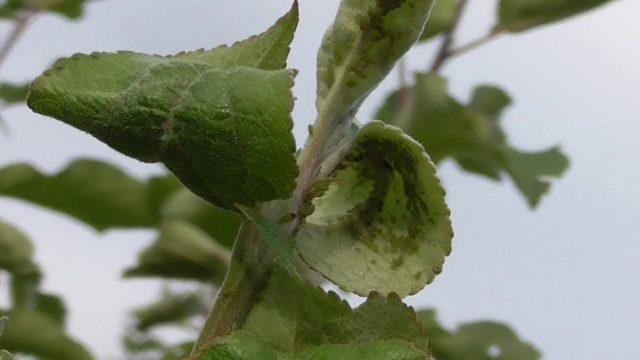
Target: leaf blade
<point x="472" y="135"/>
<point x="360" y="48"/>
<point x="522" y="15"/>
<point x="217" y="120"/>
<point x="91" y="191"/>
<point x="392" y="236"/>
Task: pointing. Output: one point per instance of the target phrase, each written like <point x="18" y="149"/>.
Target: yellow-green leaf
<point x="16" y="253"/>
<point x="381" y="224"/>
<point x="182" y="251"/>
<point x="361" y="47"/>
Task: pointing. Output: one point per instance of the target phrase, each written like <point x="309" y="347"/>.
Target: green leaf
<point x="381" y="224"/>
<point x="16" y="253"/>
<point x="93" y="192"/>
<point x="238" y="347"/>
<point x="11" y="8"/>
<point x="169" y="309"/>
<point x="280" y="245"/>
<point x="530" y="170"/>
<point x="5" y="355"/>
<point x="219" y="224"/>
<point x="12" y="93"/>
<point x="300" y="320"/>
<point x="472" y="135"/>
<point x="51" y="306"/>
<point x="71" y="9"/>
<point x="441" y="17"/>
<point x="361" y="47"/>
<point x="267" y="51"/>
<point x="482" y="340"/>
<point x="36" y="334"/>
<point x="219" y="119"/>
<point x="521" y="15"/>
<point x="182" y="251"/>
<point x="311" y="324"/>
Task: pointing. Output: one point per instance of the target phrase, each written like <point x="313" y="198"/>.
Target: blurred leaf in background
<point x="484" y="340"/>
<point x="471" y="134"/>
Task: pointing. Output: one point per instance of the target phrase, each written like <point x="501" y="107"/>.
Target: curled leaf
<point x="362" y="46"/>
<point x="381" y="224"/>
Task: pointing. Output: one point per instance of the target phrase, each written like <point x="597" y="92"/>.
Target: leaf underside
<point x="361" y="47"/>
<point x="381" y="223"/>
<point x="482" y="340"/>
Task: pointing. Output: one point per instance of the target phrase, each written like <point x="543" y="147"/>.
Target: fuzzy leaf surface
<point x="361" y="47"/>
<point x="382" y="223"/>
<point x="311" y="324"/>
<point x="219" y="119"/>
<point x="521" y="15"/>
<point x="472" y="135"/>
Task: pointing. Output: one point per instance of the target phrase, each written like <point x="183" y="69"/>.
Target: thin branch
<point x="20" y="26"/>
<point x="447" y="42"/>
<point x="403" y="94"/>
<point x="472" y="45"/>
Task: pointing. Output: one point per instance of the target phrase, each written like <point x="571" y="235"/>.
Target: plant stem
<point x="246" y="278"/>
<point x="403" y="94"/>
<point x="472" y="45"/>
<point x="20" y="26"/>
<point x="309" y="159"/>
<point x="447" y="42"/>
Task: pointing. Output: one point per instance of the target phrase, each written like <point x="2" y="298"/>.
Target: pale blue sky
<point x="565" y="276"/>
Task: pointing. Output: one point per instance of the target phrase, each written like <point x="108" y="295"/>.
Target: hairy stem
<point x="444" y="51"/>
<point x="246" y="278"/>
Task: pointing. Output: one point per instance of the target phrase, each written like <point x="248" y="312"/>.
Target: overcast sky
<point x="565" y="276"/>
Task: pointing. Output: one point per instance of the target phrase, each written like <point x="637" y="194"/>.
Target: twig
<point x="21" y="25"/>
<point x="447" y="42"/>
<point x="472" y="45"/>
<point x="403" y="94"/>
